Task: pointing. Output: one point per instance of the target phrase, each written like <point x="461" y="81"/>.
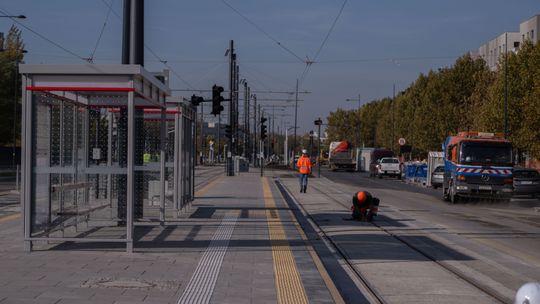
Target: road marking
<point x="289" y="286"/>
<point x="11" y="217"/>
<point x="202" y="282"/>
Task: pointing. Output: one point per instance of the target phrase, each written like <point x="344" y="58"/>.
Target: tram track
<point x="366" y="287"/>
<point x="375" y="294"/>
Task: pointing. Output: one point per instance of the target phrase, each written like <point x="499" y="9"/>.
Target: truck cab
<point x="477" y="165"/>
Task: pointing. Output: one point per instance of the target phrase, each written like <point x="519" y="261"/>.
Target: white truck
<point x="388" y="166"/>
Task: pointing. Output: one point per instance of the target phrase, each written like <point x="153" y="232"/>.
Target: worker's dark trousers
<point x="303" y="181"/>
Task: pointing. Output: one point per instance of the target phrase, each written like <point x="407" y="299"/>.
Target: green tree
<point x="10" y="86"/>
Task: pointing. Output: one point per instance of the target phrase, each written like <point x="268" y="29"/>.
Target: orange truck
<point x="477" y="165"/>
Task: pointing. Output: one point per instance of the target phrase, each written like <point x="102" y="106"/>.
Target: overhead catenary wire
<point x="43" y="37"/>
<point x="91" y="58"/>
<point x="308" y="62"/>
<point x="330" y="31"/>
<point x="152" y="52"/>
<point x="263" y="31"/>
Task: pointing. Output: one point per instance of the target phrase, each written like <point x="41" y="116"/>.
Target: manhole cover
<point x="125" y="284"/>
<point x="130" y="284"/>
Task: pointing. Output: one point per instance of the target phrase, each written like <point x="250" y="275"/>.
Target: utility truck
<point x="477" y="165"/>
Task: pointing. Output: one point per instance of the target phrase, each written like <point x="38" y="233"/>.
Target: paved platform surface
<point x="239" y="243"/>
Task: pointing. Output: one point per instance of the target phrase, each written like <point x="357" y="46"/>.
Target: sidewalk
<point x="239" y="243"/>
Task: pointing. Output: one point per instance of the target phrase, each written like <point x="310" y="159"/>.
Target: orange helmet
<point x="361" y="196"/>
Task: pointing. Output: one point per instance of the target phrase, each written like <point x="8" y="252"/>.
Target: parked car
<point x="388" y="166"/>
<point x="526" y="182"/>
<point x="437" y="177"/>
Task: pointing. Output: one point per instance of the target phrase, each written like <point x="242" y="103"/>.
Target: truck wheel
<point x="454" y="198"/>
<point x="445" y="194"/>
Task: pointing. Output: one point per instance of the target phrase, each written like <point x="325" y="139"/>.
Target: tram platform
<point x="239" y="242"/>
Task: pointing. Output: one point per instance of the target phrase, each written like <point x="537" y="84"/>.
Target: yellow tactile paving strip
<point x="320" y="267"/>
<point x="288" y="283"/>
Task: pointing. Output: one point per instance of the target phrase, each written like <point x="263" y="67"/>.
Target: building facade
<point x="529" y="29"/>
<point x="493" y="50"/>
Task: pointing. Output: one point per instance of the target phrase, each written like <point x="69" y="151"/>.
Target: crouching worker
<point x="364" y="207"/>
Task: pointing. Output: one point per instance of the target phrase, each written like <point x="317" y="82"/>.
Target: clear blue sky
<point x="370" y="48"/>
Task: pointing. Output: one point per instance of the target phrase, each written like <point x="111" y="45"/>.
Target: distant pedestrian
<point x="304" y="168"/>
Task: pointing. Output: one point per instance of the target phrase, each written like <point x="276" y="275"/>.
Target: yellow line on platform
<point x="288" y="282"/>
<point x="208" y="186"/>
<point x="334" y="292"/>
<point x="11" y="217"/>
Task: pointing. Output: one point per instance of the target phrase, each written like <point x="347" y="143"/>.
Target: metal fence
<point x="103" y="152"/>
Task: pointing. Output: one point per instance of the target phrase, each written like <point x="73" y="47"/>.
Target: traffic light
<point x="217" y="99"/>
<point x="228" y="131"/>
<point x="196" y="100"/>
<point x="263" y="128"/>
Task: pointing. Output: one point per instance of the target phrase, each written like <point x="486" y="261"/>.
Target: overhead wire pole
<point x="255" y="129"/>
<point x="506" y="86"/>
<point x="295" y="119"/>
<point x="230" y="171"/>
<point x="236" y="109"/>
<point x="357" y="137"/>
<point x="393" y="106"/>
<point x="246" y="121"/>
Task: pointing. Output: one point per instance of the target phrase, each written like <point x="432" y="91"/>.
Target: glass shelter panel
<point x="78" y="165"/>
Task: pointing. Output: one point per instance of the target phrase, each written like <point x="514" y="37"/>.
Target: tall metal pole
<point x="136" y="40"/>
<point x="218" y="138"/>
<point x="248" y="131"/>
<point x="126" y="32"/>
<point x="506" y="86"/>
<point x="230" y="171"/>
<point x="295" y="119"/>
<point x="236" y="109"/>
<point x="255" y="129"/>
<point x="16" y="89"/>
<point x="319" y="152"/>
<point x="201" y="151"/>
<point x="245" y="135"/>
<point x="393" y="124"/>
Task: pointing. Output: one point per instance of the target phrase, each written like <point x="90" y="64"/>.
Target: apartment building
<point x="529" y="29"/>
<point x="493" y="50"/>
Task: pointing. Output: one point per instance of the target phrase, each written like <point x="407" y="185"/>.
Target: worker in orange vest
<point x="304" y="168"/>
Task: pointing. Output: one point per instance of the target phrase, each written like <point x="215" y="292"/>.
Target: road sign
<point x="402" y="141"/>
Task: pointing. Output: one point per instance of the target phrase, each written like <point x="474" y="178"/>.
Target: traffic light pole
<point x="261" y="156"/>
<point x="232" y="64"/>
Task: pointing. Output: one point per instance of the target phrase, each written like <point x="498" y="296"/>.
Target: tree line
<point x="11" y="53"/>
<point x="467" y="96"/>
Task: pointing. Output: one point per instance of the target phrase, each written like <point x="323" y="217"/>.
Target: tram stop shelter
<point x="104" y="149"/>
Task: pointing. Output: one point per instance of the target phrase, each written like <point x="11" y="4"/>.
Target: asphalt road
<point x="497" y="244"/>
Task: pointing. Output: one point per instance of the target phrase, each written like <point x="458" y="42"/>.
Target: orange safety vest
<point x="304" y="165"/>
